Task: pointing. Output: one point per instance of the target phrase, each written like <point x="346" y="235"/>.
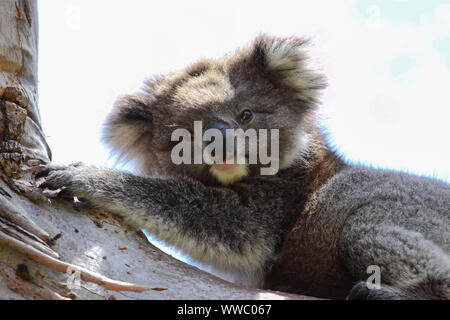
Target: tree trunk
<point x="50" y="250"/>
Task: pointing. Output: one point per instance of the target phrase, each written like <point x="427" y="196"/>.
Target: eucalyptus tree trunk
<point x="49" y="250"/>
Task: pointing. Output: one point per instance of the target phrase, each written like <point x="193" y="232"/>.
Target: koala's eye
<point x="246" y="116"/>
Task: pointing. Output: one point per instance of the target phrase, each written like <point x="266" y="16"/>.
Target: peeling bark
<point x="26" y="288"/>
<point x="23" y="144"/>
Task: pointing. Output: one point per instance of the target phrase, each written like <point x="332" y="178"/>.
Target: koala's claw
<point x="70" y="180"/>
<point x="359" y="291"/>
<point x="51" y="167"/>
<point x="74" y="183"/>
<point x="56" y="178"/>
<point x="58" y="167"/>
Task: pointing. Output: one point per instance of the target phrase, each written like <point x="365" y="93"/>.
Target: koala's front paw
<point x="67" y="181"/>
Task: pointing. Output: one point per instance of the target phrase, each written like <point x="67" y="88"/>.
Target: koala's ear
<point x="283" y="61"/>
<point x="128" y="125"/>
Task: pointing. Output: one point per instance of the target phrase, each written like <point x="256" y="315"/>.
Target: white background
<point x="388" y="64"/>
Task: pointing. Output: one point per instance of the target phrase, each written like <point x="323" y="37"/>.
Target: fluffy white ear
<point x="287" y="62"/>
<point x="284" y="61"/>
<point x="128" y="126"/>
<point x="282" y="53"/>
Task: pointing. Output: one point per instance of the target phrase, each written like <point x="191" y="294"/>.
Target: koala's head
<point x="265" y="85"/>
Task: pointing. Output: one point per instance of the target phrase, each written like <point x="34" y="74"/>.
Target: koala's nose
<point x="221" y="126"/>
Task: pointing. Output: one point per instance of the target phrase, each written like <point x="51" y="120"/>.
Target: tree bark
<point x="49" y="250"/>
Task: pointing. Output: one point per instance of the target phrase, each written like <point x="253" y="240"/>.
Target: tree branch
<point x="27" y="288"/>
<point x="64" y="267"/>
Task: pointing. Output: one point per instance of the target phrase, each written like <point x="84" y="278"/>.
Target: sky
<point x="387" y="64"/>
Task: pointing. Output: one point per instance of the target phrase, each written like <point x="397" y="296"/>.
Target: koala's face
<point x="265" y="85"/>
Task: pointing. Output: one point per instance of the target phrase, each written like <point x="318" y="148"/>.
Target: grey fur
<point x="313" y="228"/>
<point x="396" y="221"/>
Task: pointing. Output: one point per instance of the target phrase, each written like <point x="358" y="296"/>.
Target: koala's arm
<point x="215" y="225"/>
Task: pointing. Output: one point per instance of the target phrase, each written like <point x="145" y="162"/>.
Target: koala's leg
<point x="411" y="266"/>
<point x="212" y="225"/>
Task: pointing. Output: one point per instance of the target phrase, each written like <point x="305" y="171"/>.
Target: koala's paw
<point x="360" y="291"/>
<point x="67" y="181"/>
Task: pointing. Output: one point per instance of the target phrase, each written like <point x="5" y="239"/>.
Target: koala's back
<point x="398" y="222"/>
<point x="382" y="198"/>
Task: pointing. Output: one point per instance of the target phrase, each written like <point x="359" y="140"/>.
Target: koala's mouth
<point x="229" y="171"/>
<point x="226" y="166"/>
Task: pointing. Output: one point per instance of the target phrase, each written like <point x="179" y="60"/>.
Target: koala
<point x="314" y="226"/>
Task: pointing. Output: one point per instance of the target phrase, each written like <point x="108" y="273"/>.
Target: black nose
<point x="222" y="127"/>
